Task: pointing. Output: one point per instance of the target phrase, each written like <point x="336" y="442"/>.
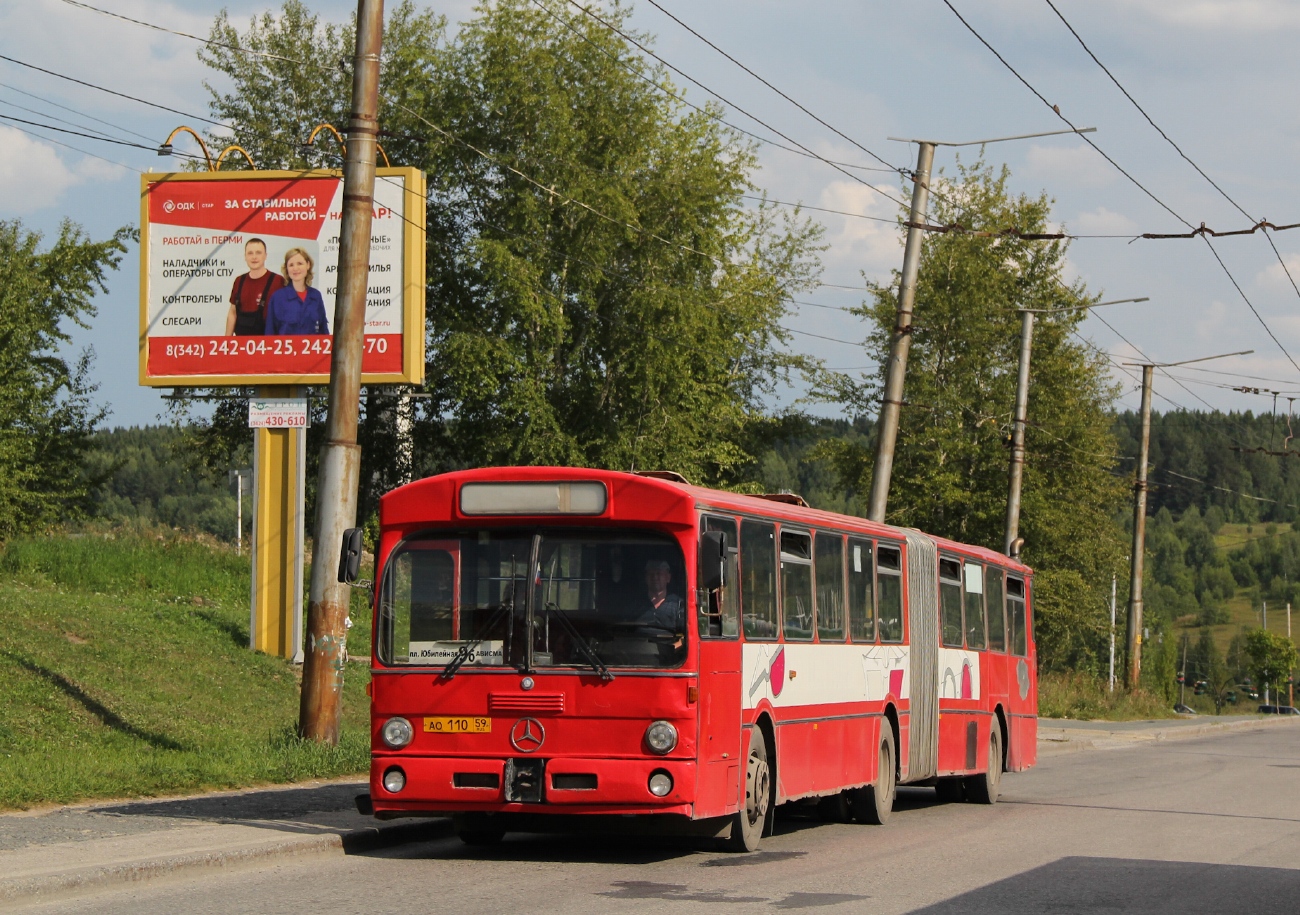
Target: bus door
<point x="998" y="671"/>
<point x="1022" y="686"/>
<point x="718" y="618"/>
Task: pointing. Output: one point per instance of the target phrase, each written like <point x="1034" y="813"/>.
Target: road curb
<point x="46" y="887"/>
<point x="1077" y="739"/>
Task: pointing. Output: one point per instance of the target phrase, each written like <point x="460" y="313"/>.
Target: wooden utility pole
<point x="340" y="461"/>
<point x="1139" y="537"/>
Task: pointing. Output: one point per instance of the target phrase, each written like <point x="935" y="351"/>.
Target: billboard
<point x="238" y="277"/>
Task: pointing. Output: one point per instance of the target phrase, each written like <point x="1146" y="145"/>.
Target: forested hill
<point x="1219" y="459"/>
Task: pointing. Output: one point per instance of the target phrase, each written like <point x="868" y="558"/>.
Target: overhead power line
<point x="645" y="50"/>
<point x="1203" y="235"/>
<point x="159" y="28"/>
<point x="839" y="133"/>
<point x="626" y="65"/>
<point x="79" y="82"/>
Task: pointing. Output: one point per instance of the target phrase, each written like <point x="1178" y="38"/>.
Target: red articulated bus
<point x="552" y="641"/>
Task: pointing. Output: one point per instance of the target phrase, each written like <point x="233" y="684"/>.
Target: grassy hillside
<point x="125" y="671"/>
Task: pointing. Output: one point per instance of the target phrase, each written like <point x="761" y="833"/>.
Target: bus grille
<point x="527" y="702"/>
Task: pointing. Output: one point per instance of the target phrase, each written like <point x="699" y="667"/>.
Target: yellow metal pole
<point x="279" y="472"/>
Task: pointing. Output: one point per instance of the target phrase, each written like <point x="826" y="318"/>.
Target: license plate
<point x="458" y="725"/>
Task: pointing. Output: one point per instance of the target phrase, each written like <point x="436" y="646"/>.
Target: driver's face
<point x="656" y="579"/>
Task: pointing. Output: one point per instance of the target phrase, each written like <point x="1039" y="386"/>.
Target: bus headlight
<point x="395" y="780"/>
<point x="660" y="783"/>
<point x="397" y="733"/>
<point x="661" y="737"/>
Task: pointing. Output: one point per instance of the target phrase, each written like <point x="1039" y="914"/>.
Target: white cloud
<point x="1068" y="166"/>
<point x="1228" y="15"/>
<point x="1274" y="279"/>
<point x="32" y="176"/>
<point x="1103" y="221"/>
<point x="857" y="243"/>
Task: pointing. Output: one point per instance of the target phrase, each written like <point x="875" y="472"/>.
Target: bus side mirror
<point x="350" y="556"/>
<point x="713" y="560"/>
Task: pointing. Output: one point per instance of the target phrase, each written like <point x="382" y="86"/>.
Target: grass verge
<point x="126" y="672"/>
<point x="1077" y="695"/>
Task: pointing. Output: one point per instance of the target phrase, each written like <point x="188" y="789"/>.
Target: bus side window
<point x="996" y="607"/>
<point x="829" y="570"/>
<point x="1016" y="616"/>
<point x="720" y="610"/>
<point x="758" y="580"/>
<point x="862" y="598"/>
<point x="950" y="602"/>
<point x="889" y="579"/>
<point x="797" y="585"/>
<point x="973" y="587"/>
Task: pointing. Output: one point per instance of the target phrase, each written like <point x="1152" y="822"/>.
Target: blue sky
<point x="1216" y="75"/>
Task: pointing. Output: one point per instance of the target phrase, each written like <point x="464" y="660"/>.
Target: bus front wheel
<point x="747" y="824"/>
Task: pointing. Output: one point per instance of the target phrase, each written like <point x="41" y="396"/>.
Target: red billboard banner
<point x="239" y="274"/>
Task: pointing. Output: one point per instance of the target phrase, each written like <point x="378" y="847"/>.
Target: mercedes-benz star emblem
<point x="528" y="735"/>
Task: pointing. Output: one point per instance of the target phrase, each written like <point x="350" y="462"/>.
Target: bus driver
<point x="662" y="610"/>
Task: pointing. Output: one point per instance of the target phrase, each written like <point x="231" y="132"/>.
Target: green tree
<point x="1271" y="656"/>
<point x="46" y="412"/>
<point x="950" y="470"/>
<point x="599" y="293"/>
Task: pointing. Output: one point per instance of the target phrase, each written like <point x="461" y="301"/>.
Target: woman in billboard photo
<point x="298" y="308"/>
<point x="251" y="292"/>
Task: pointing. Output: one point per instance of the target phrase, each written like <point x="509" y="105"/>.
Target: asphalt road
<point x="1200" y="825"/>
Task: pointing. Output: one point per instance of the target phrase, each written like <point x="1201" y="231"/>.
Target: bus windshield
<point x="591" y="599"/>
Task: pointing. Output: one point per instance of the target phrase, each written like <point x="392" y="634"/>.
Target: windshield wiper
<point x="463" y="653"/>
<point x="596" y="663"/>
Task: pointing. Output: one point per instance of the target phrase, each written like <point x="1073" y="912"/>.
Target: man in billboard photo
<point x="251" y="292"/>
<point x="298" y="307"/>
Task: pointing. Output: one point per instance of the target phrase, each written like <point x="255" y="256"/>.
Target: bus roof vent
<point x="672" y="476"/>
<point x="789" y="498"/>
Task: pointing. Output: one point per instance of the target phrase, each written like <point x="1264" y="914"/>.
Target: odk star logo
<point x="528" y="735"/>
<point x="169" y="206"/>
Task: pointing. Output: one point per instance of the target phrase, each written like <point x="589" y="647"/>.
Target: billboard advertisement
<point x="239" y="270"/>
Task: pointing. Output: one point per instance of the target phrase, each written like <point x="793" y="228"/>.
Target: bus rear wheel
<point x="747" y="824"/>
<point x="874" y="803"/>
<point x="984" y="788"/>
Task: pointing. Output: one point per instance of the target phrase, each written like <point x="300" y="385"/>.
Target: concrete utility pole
<point x="340" y="461"/>
<point x="892" y="400"/>
<point x="1139" y="537"/>
<point x="1140" y="515"/>
<point x="1010" y="545"/>
<point x="1112" y="632"/>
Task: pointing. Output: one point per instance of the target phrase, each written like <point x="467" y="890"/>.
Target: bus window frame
<point x="904" y="636"/>
<point x="966" y="564"/>
<point x="946" y="579"/>
<point x="781" y="554"/>
<point x="1024" y="600"/>
<point x="988" y="614"/>
<point x="774" y="524"/>
<point x="703" y="601"/>
<point x="818" y="535"/>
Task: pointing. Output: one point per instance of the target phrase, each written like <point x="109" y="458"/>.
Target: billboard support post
<point x="279" y="475"/>
<point x="340" y="460"/>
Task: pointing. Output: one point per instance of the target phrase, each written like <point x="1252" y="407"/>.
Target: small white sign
<point x="277" y="413"/>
